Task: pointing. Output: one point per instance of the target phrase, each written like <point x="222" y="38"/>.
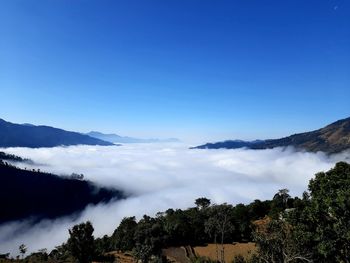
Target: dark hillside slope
<point x="40" y="195"/>
<point x="331" y="139"/>
<point x="23" y="135"/>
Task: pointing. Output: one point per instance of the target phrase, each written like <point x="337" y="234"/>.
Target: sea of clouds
<point x="161" y="176"/>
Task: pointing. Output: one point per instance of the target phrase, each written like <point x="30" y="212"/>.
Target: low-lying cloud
<point x="160" y="176"/>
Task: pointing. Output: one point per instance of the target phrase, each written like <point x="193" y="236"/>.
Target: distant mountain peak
<point x="96" y="133"/>
<point x="114" y="138"/>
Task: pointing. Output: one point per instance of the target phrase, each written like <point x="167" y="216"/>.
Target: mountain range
<point x="332" y="138"/>
<point x="114" y="138"/>
<point x="28" y="135"/>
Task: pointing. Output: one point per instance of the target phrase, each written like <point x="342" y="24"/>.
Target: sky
<point x="177" y="68"/>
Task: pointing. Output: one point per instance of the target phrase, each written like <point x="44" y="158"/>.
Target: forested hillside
<point x="31" y="193"/>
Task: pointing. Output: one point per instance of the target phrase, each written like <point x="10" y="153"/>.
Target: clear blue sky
<point x="176" y="68"/>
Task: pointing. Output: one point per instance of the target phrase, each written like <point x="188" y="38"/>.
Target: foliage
<point x="148" y="238"/>
<point x="218" y="225"/>
<point x="40" y="256"/>
<point x="103" y="245"/>
<point x="22" y="249"/>
<point x="278" y="243"/>
<point x="123" y="237"/>
<point x="280" y="202"/>
<point x="239" y="259"/>
<point x="60" y="253"/>
<point x="319" y="223"/>
<point x="202" y="202"/>
<point x="81" y="242"/>
<point x="324" y="221"/>
<point x="12" y="157"/>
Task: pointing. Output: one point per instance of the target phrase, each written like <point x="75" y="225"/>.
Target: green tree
<point x="148" y="237"/>
<point x="81" y="242"/>
<point x="123" y="236"/>
<point x="22" y="249"/>
<point x="202" y="203"/>
<point x="242" y="222"/>
<point x="326" y="218"/>
<point x="277" y="243"/>
<point x="279" y="203"/>
<point x="177" y="227"/>
<point x="219" y="225"/>
<point x="195" y="219"/>
<point x="258" y="209"/>
<point x="60" y="253"/>
<point x="321" y="219"/>
<point x="103" y="245"/>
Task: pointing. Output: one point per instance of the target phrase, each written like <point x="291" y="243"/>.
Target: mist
<point x="161" y="176"/>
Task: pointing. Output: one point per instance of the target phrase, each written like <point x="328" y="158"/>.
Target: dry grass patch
<point x="122" y="257"/>
<point x="231" y="250"/>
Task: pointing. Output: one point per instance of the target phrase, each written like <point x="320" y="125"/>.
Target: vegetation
<point x="54" y="195"/>
<point x="13" y="158"/>
<point x="22" y="249"/>
<point x="314" y="228"/>
<point x="81" y="242"/>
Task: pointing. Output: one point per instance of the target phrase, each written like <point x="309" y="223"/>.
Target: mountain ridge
<point x="332" y="138"/>
<point x="32" y="136"/>
<point x="115" y="138"/>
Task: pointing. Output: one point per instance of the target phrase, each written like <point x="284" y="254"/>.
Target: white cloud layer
<point x="160" y="176"/>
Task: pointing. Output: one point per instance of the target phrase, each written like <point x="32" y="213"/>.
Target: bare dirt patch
<point x="176" y="254"/>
